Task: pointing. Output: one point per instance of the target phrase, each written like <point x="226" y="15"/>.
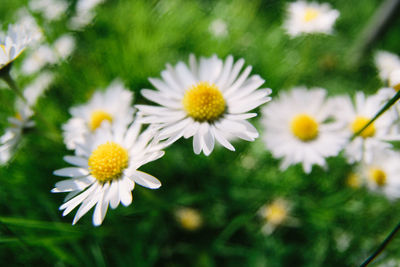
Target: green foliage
<point x="133" y="40"/>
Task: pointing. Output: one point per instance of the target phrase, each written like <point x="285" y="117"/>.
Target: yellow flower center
<point x="204" y="102"/>
<point x="97" y="117"/>
<point x="4" y="48"/>
<point x="304" y="127"/>
<point x="359" y="123"/>
<point x="107" y="162"/>
<point x="18" y="116"/>
<point x="353" y="180"/>
<point x="378" y="176"/>
<point x="396" y="87"/>
<point x="276" y="213"/>
<point x="310" y="14"/>
<point x="189" y="219"/>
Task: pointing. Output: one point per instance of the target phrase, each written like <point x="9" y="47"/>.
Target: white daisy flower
<point x="50" y="9"/>
<point x="208" y="100"/>
<point x="28" y="22"/>
<point x="40" y="57"/>
<point x="275" y="214"/>
<point x="10" y="140"/>
<point x="106" y="171"/>
<point x="355" y="117"/>
<point x="298" y="128"/>
<point x="394" y="79"/>
<point x="386" y="62"/>
<point x="112" y="106"/>
<point x="64" y="46"/>
<point x="382" y="174"/>
<point x="218" y="28"/>
<point x="13" y="44"/>
<point x="304" y="17"/>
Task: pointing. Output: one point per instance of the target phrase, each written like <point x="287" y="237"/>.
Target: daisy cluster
<point x="208" y="100"/>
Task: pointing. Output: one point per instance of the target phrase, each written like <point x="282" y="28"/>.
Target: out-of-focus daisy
<point x="297" y="128"/>
<point x="394" y="79"/>
<point x="28" y="22"/>
<point x="218" y="28"/>
<point x="304" y="17"/>
<point x="355" y="117"/>
<point x="22" y="120"/>
<point x="275" y="214"/>
<point x="50" y="9"/>
<point x="84" y="13"/>
<point x="208" y="100"/>
<point x="40" y="57"/>
<point x="64" y="46"/>
<point x="386" y="62"/>
<point x="382" y="174"/>
<point x="189" y="218"/>
<point x="106" y="170"/>
<point x="353" y="180"/>
<point x="112" y="106"/>
<point x="13" y="44"/>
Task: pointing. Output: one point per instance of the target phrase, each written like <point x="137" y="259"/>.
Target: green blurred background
<point x="134" y="39"/>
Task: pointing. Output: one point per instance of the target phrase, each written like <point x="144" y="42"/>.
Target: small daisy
<point x="50" y="9"/>
<point x="355" y="117"/>
<point x="275" y="214"/>
<point x="394" y="79"/>
<point x="297" y="128"/>
<point x="40" y="57"/>
<point x="382" y="174"/>
<point x="386" y="62"/>
<point x="106" y="170"/>
<point x="189" y="219"/>
<point x="208" y="100"/>
<point x="218" y="28"/>
<point x="22" y="121"/>
<point x="304" y="17"/>
<point x="112" y="106"/>
<point x="13" y="44"/>
<point x="64" y="46"/>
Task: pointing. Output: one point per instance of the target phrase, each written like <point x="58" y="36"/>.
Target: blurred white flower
<point x="394" y="79"/>
<point x="304" y="17"/>
<point x="36" y="60"/>
<point x="106" y="171"/>
<point x="275" y="214"/>
<point x="27" y="21"/>
<point x="13" y="44"/>
<point x="218" y="28"/>
<point x="10" y="140"/>
<point x="111" y="107"/>
<point x="382" y="173"/>
<point x="50" y="9"/>
<point x="84" y="14"/>
<point x="208" y="100"/>
<point x="386" y="62"/>
<point x="355" y="117"/>
<point x="64" y="46"/>
<point x="297" y="128"/>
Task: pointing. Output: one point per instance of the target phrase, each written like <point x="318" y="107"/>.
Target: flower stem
<point x="382" y="246"/>
<point x="379" y="113"/>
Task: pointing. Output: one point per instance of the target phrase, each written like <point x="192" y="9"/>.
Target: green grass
<point x="133" y="40"/>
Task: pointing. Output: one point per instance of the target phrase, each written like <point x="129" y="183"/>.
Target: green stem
<point x="382" y="246"/>
<point x="379" y="113"/>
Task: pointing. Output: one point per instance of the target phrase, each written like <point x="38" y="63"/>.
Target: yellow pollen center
<point x="304" y="127"/>
<point x="359" y="123"/>
<point x="204" y="102"/>
<point x="310" y="14"/>
<point x="396" y="87"/>
<point x="276" y="213"/>
<point x="97" y="117"/>
<point x="18" y="116"/>
<point x="378" y="176"/>
<point x="3" y="47"/>
<point x="107" y="162"/>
